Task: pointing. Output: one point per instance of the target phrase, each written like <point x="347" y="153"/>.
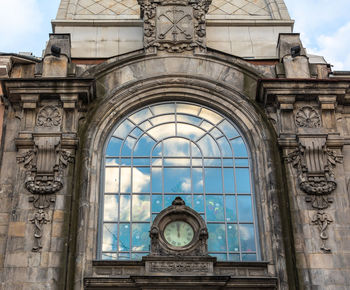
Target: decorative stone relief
<point x="315" y="165"/>
<point x="49" y="116"/>
<point x="174" y="25"/>
<point x="44" y="177"/>
<point x="308" y="117"/>
<point x="179" y="267"/>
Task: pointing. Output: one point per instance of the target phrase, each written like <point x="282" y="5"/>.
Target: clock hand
<point x="178" y="230"/>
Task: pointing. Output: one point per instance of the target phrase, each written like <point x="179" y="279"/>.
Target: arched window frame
<point x="254" y="221"/>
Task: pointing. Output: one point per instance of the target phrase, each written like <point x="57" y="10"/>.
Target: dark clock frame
<point x="178" y="211"/>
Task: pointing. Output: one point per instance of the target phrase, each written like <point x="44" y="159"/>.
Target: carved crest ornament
<point x="44" y="169"/>
<point x="174" y="25"/>
<point x="315" y="164"/>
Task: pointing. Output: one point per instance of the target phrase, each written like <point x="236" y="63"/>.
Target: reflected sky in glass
<point x="177" y="149"/>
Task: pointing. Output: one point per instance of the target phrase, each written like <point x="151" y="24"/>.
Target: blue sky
<point x="325" y="26"/>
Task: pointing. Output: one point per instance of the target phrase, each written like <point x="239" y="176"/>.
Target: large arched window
<point x="177" y="149"/>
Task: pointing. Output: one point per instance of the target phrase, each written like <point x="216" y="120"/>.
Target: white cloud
<point x="19" y="19"/>
<point x="335" y="47"/>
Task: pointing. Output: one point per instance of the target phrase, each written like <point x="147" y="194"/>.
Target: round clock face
<point x="178" y="233"/>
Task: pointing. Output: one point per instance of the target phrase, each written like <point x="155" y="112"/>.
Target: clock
<point x="178" y="230"/>
<point x="178" y="233"/>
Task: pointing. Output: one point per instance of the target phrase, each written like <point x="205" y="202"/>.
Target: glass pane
<point x="234" y="257"/>
<point x="157" y="161"/>
<point x="232" y="237"/>
<point x="112" y="161"/>
<point x="217" y="240"/>
<point x="212" y="162"/>
<point x="213" y="180"/>
<point x="125" y="183"/>
<point x="228" y="162"/>
<point x="249" y="257"/>
<point x="177" y="161"/>
<point x="188" y="119"/>
<point x="245" y="212"/>
<point x="162" y="131"/>
<point x="176" y="147"/>
<point x="231" y="215"/>
<point x="124" y="256"/>
<point x="111" y="208"/>
<point x="247" y="237"/>
<point x="198" y="203"/>
<point x="210" y="116"/>
<point x="162" y="119"/>
<point x="229" y="180"/>
<point x="225" y="147"/>
<point x="127" y="148"/>
<point x="206" y="126"/>
<point x="228" y="129"/>
<point x="141" y="161"/>
<point x="186" y="108"/>
<point x="189" y="131"/>
<point x="124" y="129"/>
<point x="124" y="237"/>
<point x="124" y="208"/>
<point x="241" y="162"/>
<point x="140" y="116"/>
<point x="177" y="180"/>
<point x="209" y="147"/>
<point x="113" y="148"/>
<point x="157" y="203"/>
<point x="157" y="179"/>
<point x="197" y="180"/>
<point x="144" y="146"/>
<point x="242" y="180"/>
<point x="110" y="237"/>
<point x="141" y="179"/>
<point x="109" y="256"/>
<point x="126" y="161"/>
<point x="163" y="109"/>
<point x="197" y="162"/>
<point x="141" y="208"/>
<point x="112" y="179"/>
<point x="215" y="207"/>
<point x="140" y="237"/>
<point x="239" y="148"/>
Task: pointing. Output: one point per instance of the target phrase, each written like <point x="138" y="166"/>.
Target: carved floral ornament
<point x="174" y="25"/>
<point x="315" y="164"/>
<point x="49" y="116"/>
<point x="307" y="117"/>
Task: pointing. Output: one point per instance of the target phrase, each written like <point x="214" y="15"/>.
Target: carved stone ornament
<point x="174" y="25"/>
<point x="315" y="165"/>
<point x="49" y="116"/>
<point x="307" y="117"/>
<point x="179" y="212"/>
<point x="44" y="177"/>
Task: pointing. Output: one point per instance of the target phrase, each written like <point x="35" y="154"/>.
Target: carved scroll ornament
<point x="44" y="166"/>
<point x="174" y="25"/>
<point x="315" y="165"/>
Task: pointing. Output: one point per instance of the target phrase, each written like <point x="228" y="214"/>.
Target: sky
<point x="324" y="26"/>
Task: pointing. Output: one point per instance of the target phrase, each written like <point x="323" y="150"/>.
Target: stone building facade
<point x="174" y="71"/>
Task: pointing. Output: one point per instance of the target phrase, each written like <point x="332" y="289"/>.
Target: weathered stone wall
<point x="311" y="120"/>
